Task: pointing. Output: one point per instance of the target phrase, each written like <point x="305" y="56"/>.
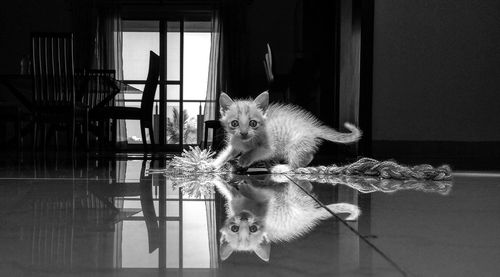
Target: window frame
<point x="177" y="15"/>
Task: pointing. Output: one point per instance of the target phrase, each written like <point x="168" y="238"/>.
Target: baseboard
<point x="464" y="155"/>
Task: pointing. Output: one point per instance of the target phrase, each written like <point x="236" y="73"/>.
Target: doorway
<point x="183" y="44"/>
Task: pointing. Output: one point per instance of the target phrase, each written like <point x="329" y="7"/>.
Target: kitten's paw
<point x="236" y="168"/>
<point x="214" y="165"/>
<point x="244" y="162"/>
<point x="281" y="168"/>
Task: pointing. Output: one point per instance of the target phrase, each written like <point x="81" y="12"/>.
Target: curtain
<point x="108" y="40"/>
<point x="226" y="56"/>
<point x="213" y="84"/>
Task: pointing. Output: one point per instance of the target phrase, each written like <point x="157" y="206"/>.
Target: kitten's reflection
<point x="264" y="209"/>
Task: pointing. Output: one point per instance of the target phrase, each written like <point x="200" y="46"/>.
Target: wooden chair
<point x="214" y="125"/>
<point x="143" y="113"/>
<point x="54" y="101"/>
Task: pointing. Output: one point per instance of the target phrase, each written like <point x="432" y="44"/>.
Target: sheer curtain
<point x="108" y="40"/>
<point x="213" y="84"/>
<point x="227" y="53"/>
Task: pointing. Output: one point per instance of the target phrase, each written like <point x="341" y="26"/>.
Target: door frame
<point x="180" y="15"/>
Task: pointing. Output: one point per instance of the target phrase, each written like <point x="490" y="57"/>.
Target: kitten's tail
<point x="345" y="208"/>
<point x="331" y="134"/>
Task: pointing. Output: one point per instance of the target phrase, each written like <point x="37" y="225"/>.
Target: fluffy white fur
<point x="279" y="211"/>
<point x="285" y="133"/>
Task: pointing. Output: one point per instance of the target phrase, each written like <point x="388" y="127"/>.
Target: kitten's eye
<point x="252" y="123"/>
<point x="235" y="228"/>
<point x="253" y="229"/>
<point x="234" y="123"/>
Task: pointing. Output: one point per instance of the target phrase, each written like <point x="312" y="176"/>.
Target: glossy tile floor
<point x="119" y="216"/>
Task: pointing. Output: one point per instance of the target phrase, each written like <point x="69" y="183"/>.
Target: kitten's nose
<point x="244" y="134"/>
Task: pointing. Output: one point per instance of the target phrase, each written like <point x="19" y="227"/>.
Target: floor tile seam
<point x="354" y="231"/>
<point x="67" y="178"/>
<point x="476" y="174"/>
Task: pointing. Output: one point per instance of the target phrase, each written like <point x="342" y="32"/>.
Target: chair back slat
<point x="53" y="69"/>
<point x="148" y="94"/>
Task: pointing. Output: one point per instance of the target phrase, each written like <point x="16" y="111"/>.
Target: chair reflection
<point x="139" y="187"/>
<point x="76" y="221"/>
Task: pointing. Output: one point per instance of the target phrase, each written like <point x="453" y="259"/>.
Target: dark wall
<point x="19" y="18"/>
<point x="302" y="35"/>
<point x="436" y="70"/>
<point x="269" y="22"/>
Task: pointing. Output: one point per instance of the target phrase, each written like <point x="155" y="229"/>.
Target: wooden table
<point x="20" y="86"/>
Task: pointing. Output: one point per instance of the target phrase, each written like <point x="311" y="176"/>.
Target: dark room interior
<point x="122" y="154"/>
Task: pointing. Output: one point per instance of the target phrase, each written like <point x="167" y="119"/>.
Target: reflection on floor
<point x="113" y="216"/>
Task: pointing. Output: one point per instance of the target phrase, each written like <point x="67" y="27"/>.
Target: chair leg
<point x="43" y="136"/>
<point x="52" y="130"/>
<point x="26" y="130"/>
<point x="17" y="126"/>
<point x="152" y="135"/>
<point x="106" y="131"/>
<point x="86" y="131"/>
<point x="114" y="132"/>
<point x="107" y="128"/>
<point x="143" y="134"/>
<point x="35" y="137"/>
<point x="56" y="134"/>
<point x="102" y="134"/>
<point x="205" y="142"/>
<point x="73" y="132"/>
<point x="69" y="137"/>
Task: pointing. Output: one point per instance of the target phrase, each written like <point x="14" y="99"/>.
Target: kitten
<point x="264" y="211"/>
<point x="277" y="132"/>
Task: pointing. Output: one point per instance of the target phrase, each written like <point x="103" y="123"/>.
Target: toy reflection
<point x="265" y="209"/>
<point x="369" y="184"/>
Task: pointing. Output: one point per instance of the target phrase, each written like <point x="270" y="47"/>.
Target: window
<point x="180" y="233"/>
<point x="184" y="48"/>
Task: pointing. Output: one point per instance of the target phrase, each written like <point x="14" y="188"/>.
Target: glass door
<point x="183" y="43"/>
<point x="139" y="37"/>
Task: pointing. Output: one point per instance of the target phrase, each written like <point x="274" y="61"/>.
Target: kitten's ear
<point x="262" y="101"/>
<point x="263" y="250"/>
<point x="225" y="102"/>
<point x="225" y="249"/>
